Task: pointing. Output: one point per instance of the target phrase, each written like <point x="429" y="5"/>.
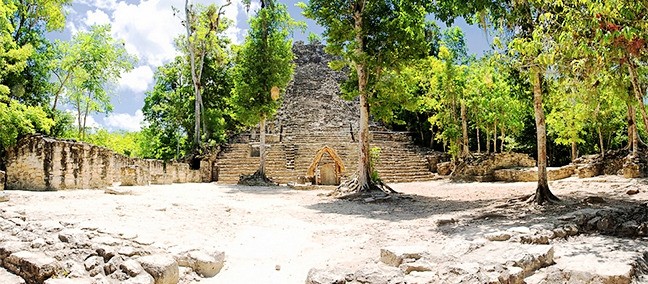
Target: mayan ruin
<point x="323" y="142"/>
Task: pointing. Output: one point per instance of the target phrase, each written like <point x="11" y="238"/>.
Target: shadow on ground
<point x="408" y="207"/>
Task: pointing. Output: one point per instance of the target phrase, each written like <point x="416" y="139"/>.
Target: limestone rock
<point x="68" y="281"/>
<point x="394" y="255"/>
<point x="7" y="277"/>
<point x="162" y="267"/>
<point x="74" y="237"/>
<point x="118" y="191"/>
<point x="34" y="267"/>
<point x="131" y="267"/>
<point x="4" y="197"/>
<point x="420" y="265"/>
<point x="498" y="236"/>
<point x="143" y="278"/>
<point x="378" y="273"/>
<point x="444" y="168"/>
<point x="206" y="265"/>
<point x="3" y="178"/>
<point x="329" y="276"/>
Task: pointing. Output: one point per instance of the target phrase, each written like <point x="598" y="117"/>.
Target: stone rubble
<point x="35" y="252"/>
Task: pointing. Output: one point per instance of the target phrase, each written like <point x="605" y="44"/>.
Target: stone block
<point x="395" y="255"/>
<point x="131" y="175"/>
<point x="162" y="267"/>
<point x="34" y="267"/>
<point x="589" y="170"/>
<point x="444" y="168"/>
<point x="3" y="179"/>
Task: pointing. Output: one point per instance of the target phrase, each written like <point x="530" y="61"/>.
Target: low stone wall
<point x="531" y="174"/>
<point x="615" y="162"/>
<point x="483" y="166"/>
<point x="42" y="163"/>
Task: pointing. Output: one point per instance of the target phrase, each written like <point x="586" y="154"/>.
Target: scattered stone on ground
<point x="439" y="232"/>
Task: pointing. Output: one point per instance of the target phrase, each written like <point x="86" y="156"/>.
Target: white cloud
<point x="101" y="4"/>
<point x="96" y="17"/>
<point x="138" y="79"/>
<point x="90" y="121"/>
<point x="125" y="121"/>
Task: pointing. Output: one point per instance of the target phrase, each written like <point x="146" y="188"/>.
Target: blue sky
<point x="148" y="29"/>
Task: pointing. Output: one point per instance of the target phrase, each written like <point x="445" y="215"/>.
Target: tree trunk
<point x="633" y="139"/>
<point x="431" y="137"/>
<point x="59" y="90"/>
<point x="79" y="123"/>
<point x="495" y="137"/>
<point x="194" y="76"/>
<point x="574" y="151"/>
<point x="363" y="159"/>
<point x="543" y="194"/>
<point x="502" y="140"/>
<point x="85" y="118"/>
<point x="478" y="142"/>
<point x="262" y="151"/>
<point x="601" y="145"/>
<point x="638" y="91"/>
<point x="487" y="141"/>
<point x="464" y="130"/>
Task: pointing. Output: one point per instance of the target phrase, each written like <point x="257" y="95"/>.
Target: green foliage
<point x="263" y="62"/>
<point x="17" y="119"/>
<point x="125" y="143"/>
<point x="168" y="113"/>
<point x="90" y="63"/>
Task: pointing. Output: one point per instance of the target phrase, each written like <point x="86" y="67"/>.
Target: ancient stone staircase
<point x="399" y="161"/>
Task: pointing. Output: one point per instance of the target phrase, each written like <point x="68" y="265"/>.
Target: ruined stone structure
<point x="313" y="137"/>
<point x="41" y="163"/>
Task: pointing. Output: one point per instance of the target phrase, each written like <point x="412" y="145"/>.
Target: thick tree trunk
<point x="574" y="151"/>
<point x="543" y="194"/>
<point x="363" y="159"/>
<point x="464" y="130"/>
<point x="262" y="146"/>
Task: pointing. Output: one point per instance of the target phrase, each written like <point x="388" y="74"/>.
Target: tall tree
<point x="202" y="24"/>
<point x="31" y="20"/>
<point x="372" y="36"/>
<point x="101" y="60"/>
<point x="263" y="69"/>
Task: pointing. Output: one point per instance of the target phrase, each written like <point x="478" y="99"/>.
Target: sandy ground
<point x="276" y="234"/>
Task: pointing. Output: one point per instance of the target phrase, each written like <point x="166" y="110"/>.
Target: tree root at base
<point x="256" y="179"/>
<point x="373" y="191"/>
<point x="542" y="195"/>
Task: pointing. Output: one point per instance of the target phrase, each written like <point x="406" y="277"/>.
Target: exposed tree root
<point x="371" y="192"/>
<point x="256" y="179"/>
<point x="542" y="195"/>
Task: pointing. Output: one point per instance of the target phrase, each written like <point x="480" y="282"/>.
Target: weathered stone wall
<point x="42" y="163"/>
<point x="485" y="165"/>
<point x="2" y="180"/>
<point x="531" y="174"/>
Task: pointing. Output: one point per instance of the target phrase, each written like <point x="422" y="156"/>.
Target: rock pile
<point x="616" y="162"/>
<point x="459" y="261"/>
<point x="52" y="252"/>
